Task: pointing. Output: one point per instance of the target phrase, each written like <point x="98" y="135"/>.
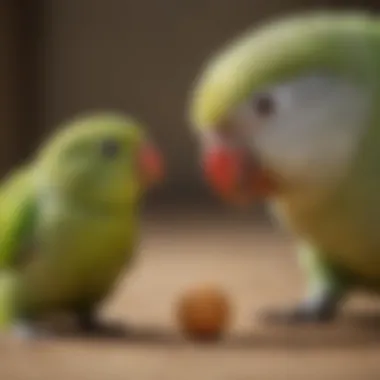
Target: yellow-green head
<point x="286" y="105"/>
<point x="103" y="157"/>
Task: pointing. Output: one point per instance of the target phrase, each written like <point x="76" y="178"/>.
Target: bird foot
<point x="102" y="329"/>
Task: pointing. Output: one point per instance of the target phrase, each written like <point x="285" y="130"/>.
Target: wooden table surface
<point x="258" y="269"/>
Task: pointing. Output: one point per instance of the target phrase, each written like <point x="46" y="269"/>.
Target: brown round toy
<point x="204" y="313"/>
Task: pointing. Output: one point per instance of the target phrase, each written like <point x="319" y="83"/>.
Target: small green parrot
<point x="69" y="221"/>
<point x="290" y="113"/>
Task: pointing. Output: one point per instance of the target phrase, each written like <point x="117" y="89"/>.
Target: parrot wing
<point x="17" y="217"/>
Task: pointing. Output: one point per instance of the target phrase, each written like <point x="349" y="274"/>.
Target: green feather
<point x="69" y="220"/>
<point x="347" y="44"/>
<point x="341" y="227"/>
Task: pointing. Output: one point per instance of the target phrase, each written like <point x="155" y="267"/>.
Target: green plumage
<point x="347" y="44"/>
<point x="338" y="225"/>
<point x="69" y="220"/>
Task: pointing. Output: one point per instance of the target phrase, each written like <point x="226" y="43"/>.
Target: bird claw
<point x="109" y="330"/>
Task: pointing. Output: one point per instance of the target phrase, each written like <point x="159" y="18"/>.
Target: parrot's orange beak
<point x="236" y="175"/>
<point x="151" y="164"/>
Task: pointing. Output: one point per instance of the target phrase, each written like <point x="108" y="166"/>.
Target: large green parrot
<point x="69" y="220"/>
<point x="290" y="113"/>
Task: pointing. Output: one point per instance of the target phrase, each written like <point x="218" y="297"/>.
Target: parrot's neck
<point x="53" y="197"/>
<point x="344" y="217"/>
<point x="54" y="201"/>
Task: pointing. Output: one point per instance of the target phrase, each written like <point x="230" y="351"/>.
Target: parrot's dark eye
<point x="264" y="105"/>
<point x="110" y="148"/>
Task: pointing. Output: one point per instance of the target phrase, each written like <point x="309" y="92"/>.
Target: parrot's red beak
<point x="151" y="164"/>
<point x="235" y="174"/>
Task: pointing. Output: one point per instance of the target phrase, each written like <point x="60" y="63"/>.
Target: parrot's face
<point x="105" y="159"/>
<point x="292" y="130"/>
<point x="302" y="132"/>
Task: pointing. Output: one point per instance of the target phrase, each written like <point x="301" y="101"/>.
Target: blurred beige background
<point x="62" y="57"/>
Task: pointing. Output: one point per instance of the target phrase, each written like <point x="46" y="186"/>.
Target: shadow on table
<point x="353" y="330"/>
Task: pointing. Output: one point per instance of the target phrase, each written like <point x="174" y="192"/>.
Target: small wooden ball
<point x="204" y="313"/>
